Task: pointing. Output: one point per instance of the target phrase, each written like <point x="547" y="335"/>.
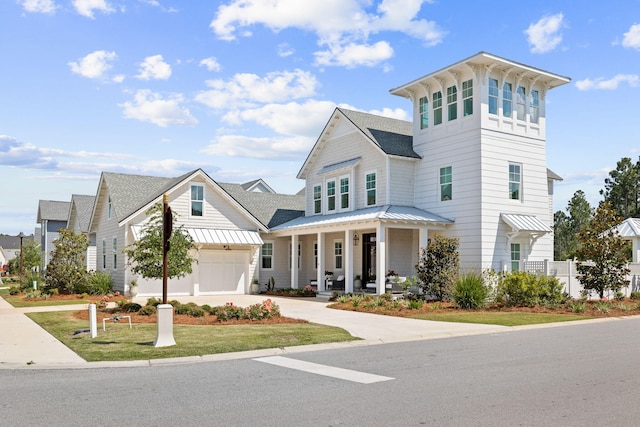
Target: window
<point x="515" y="256"/>
<point x="452" y="103"/>
<point x="317" y="199"/>
<point x="424" y="112"/>
<point x="535" y="105"/>
<point x="467" y="98"/>
<point x="521" y="100"/>
<point x="331" y="196"/>
<point x="104" y="254"/>
<point x="337" y="252"/>
<point x="371" y="188"/>
<point x="267" y="256"/>
<point x="515" y="180"/>
<point x="344" y="193"/>
<point x="493" y="96"/>
<point x="109" y="207"/>
<point x="315" y="255"/>
<point x="437" y="108"/>
<point x="507" y="100"/>
<point x="446" y="185"/>
<point x="115" y="253"/>
<point x="197" y="198"/>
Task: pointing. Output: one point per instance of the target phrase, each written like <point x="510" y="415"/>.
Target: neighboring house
<point x="471" y="165"/>
<point x="10" y="247"/>
<point x="52" y="216"/>
<point x="226" y="233"/>
<point x="78" y="221"/>
<point x="257" y="185"/>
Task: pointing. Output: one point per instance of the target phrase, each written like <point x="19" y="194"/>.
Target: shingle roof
<point x="270" y="209"/>
<point x="84" y="207"/>
<point x="393" y="136"/>
<point x="13" y="242"/>
<point x="53" y="210"/>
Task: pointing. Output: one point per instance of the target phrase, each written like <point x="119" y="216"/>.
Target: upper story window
<point x="507" y="99"/>
<point x="493" y="96"/>
<point x="437" y="108"/>
<point x="331" y="195"/>
<point x="467" y="98"/>
<point x="424" y="112"/>
<point x="266" y="256"/>
<point x="515" y="181"/>
<point x="535" y="106"/>
<point x="317" y="199"/>
<point x="446" y="183"/>
<point x="344" y="193"/>
<point x="109" y="208"/>
<point x="521" y="100"/>
<point x="452" y="103"/>
<point x="370" y="188"/>
<point x="115" y="253"/>
<point x="197" y="199"/>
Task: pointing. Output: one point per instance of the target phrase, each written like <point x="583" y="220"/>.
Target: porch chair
<point x="336" y="284"/>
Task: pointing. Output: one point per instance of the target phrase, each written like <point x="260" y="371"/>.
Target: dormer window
<point x="197" y="199"/>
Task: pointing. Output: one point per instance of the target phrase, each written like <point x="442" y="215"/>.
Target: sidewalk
<point x="24" y="344"/>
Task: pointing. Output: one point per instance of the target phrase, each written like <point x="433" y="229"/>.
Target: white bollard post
<point x="35" y="285"/>
<point x="93" y="322"/>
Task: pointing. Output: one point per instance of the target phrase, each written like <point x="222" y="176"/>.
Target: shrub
<point x="519" y="288"/>
<point x="99" y="283"/>
<point x="153" y="301"/>
<point x="14" y="290"/>
<point x="175" y="303"/>
<point x="602" y="306"/>
<point x="28" y="279"/>
<point x="190" y="309"/>
<point x="415" y="304"/>
<point x="148" y="310"/>
<point x="130" y="307"/>
<point x="635" y="295"/>
<point x="470" y="291"/>
<point x="578" y="306"/>
<point x="438" y="265"/>
<point x="230" y="312"/>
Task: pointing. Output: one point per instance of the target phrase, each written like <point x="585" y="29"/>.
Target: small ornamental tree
<point x="437" y="269"/>
<point x="602" y="264"/>
<point x="144" y="257"/>
<point x="66" y="270"/>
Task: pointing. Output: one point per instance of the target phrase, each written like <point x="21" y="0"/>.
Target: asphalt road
<point x="577" y="375"/>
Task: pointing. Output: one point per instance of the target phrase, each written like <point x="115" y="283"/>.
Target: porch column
<point x="424" y="237"/>
<point x="294" y="261"/>
<point x="348" y="266"/>
<point x="321" y="262"/>
<point x="635" y="250"/>
<point x="381" y="258"/>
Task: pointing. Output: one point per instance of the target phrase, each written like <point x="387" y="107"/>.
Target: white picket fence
<point x="566" y="273"/>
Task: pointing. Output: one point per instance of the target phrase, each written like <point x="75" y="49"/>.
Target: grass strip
<point x="500" y="318"/>
<point x="121" y="343"/>
<point x="18" y="301"/>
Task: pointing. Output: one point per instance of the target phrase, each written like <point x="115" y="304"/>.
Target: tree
<point x="567" y="227"/>
<point x="602" y="255"/>
<point x="622" y="188"/>
<point x="30" y="258"/>
<point x="66" y="270"/>
<point x="437" y="269"/>
<point x="144" y="257"/>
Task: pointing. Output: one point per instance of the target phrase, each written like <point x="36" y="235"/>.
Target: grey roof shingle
<point x="393" y="136"/>
<point x="84" y="206"/>
<point x="53" y="210"/>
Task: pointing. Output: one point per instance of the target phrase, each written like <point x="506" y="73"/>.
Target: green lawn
<point x="500" y="318"/>
<point x="19" y="301"/>
<point x="121" y="343"/>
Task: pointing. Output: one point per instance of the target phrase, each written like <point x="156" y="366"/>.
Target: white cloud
<point x="353" y="55"/>
<point x="396" y="113"/>
<point x="544" y="35"/>
<point x="151" y="107"/>
<point x="276" y="148"/>
<point x="611" y="84"/>
<point x="95" y="65"/>
<point x="211" y="63"/>
<point x="284" y="50"/>
<point x="39" y="6"/>
<point x="87" y="7"/>
<point x="248" y="90"/>
<point x="344" y="26"/>
<point x="154" y="67"/>
<point x="632" y="37"/>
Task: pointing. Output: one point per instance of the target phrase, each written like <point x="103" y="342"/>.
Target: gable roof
<point x="257" y="185"/>
<point x="270" y="209"/>
<point x="630" y="227"/>
<point x="53" y="210"/>
<point x="392" y="137"/>
<point x="83" y="205"/>
<point x="13" y="242"/>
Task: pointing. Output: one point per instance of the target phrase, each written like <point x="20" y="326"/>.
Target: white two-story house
<point x="471" y="165"/>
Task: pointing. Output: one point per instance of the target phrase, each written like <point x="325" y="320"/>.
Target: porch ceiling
<point x="390" y="213"/>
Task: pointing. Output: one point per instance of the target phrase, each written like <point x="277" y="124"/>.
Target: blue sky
<point x="242" y="88"/>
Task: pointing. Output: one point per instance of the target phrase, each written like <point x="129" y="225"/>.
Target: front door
<point x="369" y="257"/>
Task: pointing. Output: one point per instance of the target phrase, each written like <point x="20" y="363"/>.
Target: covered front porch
<point x="353" y="251"/>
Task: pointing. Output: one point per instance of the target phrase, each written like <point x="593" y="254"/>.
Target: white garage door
<point x="223" y="271"/>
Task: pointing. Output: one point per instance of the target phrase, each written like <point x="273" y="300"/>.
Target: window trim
<point x="467" y="98"/>
<point x="374" y="189"/>
<point x="192" y="200"/>
<point x="338" y="256"/>
<point x="493" y="97"/>
<point x="452" y="103"/>
<point x="317" y="202"/>
<point x="271" y="256"/>
<point x="521" y="103"/>
<point x="515" y="248"/>
<point x="534" y="107"/>
<point x="341" y="207"/>
<point x="519" y="182"/>
<point x="328" y="183"/>
<point x="449" y="183"/>
<point x="437" y="108"/>
<point x="423" y="112"/>
<point x="507" y="101"/>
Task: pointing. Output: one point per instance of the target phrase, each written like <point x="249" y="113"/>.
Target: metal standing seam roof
<point x="529" y="223"/>
<point x="630" y="227"/>
<point x="339" y="165"/>
<point x="380" y="213"/>
<point x="214" y="236"/>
